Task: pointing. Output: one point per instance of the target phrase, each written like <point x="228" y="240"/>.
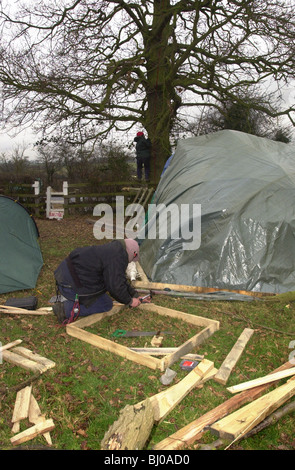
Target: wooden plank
<point x="194" y="430"/>
<point x="261" y="380"/>
<point x="10" y="345"/>
<point x="113" y="347"/>
<point x="197" y="289"/>
<point x="165" y="351"/>
<point x="23" y="311"/>
<point x="186" y="317"/>
<point x="165" y="401"/>
<point x="33" y="431"/>
<point x="27" y="364"/>
<point x="188" y="346"/>
<point x="83" y="322"/>
<point x="244" y="419"/>
<point x="28" y="354"/>
<point x="8" y="307"/>
<point x="233" y="356"/>
<point x="21" y="405"/>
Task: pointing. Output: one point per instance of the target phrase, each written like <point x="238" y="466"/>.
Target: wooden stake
<point x="10" y="345"/>
<point x="233" y="357"/>
<point x="166" y="401"/>
<point x="35" y="417"/>
<point x="34" y="431"/>
<point x="261" y="380"/>
<point x="21" y="407"/>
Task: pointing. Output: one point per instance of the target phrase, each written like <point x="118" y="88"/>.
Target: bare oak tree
<point x="83" y="67"/>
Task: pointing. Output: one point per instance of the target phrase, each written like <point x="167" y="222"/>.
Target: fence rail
<point x="74" y="198"/>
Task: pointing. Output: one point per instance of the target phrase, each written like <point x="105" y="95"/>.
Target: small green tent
<point x="20" y="255"/>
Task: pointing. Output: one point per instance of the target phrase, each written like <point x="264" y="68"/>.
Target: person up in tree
<point x="143" y="155"/>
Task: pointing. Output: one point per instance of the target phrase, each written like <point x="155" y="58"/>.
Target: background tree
<point x="85" y="67"/>
<point x="49" y="159"/>
<point x="19" y="160"/>
<point x="245" y="115"/>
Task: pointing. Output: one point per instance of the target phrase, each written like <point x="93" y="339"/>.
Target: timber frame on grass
<point x="76" y="330"/>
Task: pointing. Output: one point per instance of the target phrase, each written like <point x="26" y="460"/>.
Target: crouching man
<point x="91" y="276"/>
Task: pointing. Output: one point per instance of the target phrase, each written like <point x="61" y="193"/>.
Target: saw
<point x="125" y="334"/>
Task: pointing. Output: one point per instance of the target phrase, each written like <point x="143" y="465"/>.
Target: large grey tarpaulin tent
<point x="20" y="255"/>
<point x="246" y="187"/>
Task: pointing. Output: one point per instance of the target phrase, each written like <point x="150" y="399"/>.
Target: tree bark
<point x="162" y="99"/>
<point x="132" y="429"/>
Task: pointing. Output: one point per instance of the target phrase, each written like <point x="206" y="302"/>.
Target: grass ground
<point x="88" y="387"/>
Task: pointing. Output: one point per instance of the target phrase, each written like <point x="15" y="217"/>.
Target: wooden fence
<point x="29" y="195"/>
<point x="76" y="198"/>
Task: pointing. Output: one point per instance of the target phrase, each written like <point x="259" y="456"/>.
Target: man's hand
<point x="135" y="302"/>
<point x="140" y="300"/>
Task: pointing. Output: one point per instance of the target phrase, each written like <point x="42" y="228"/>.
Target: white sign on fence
<point x="55" y="202"/>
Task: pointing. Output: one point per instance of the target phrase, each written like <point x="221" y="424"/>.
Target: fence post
<point x="48" y="201"/>
<point x="36" y="187"/>
<point x="65" y="190"/>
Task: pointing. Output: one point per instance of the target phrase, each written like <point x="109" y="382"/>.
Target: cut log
<point x="132" y="429"/>
<point x="244" y="419"/>
<point x="194" y="430"/>
<point x="33" y="431"/>
<point x="233" y="357"/>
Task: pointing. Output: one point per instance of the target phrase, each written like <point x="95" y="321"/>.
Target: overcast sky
<point x="10" y="140"/>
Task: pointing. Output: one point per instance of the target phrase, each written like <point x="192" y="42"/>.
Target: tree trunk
<point x="161" y="97"/>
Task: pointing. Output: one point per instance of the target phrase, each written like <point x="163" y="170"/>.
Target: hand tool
<point x="188" y="365"/>
<point x="145" y="297"/>
<point x="124" y="333"/>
